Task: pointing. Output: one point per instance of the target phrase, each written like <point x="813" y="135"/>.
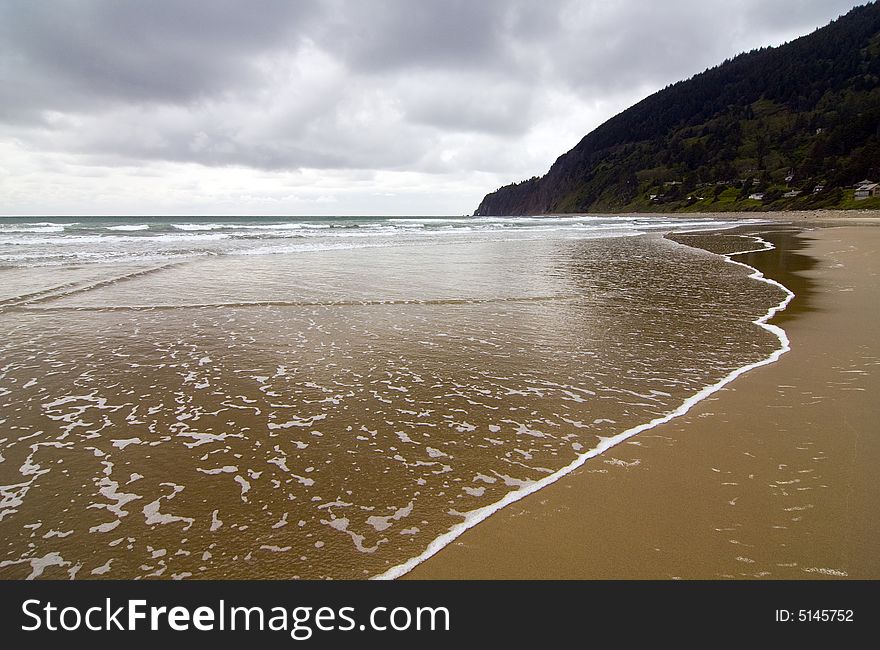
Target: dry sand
<point x="773" y="476"/>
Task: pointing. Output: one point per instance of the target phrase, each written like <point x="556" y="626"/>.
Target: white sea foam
<point x="122" y="444"/>
<point x="341" y="524"/>
<point x="226" y="469"/>
<point x="105" y="528"/>
<point x="381" y="523"/>
<point x="38" y="564"/>
<point x="837" y="573"/>
<point x="153" y="516"/>
<point x="474" y="517"/>
<point x="130" y="227"/>
<point x="104" y="568"/>
<point x="200" y="227"/>
<point x="196" y="226"/>
<point x="48" y="244"/>
<point x="32" y="228"/>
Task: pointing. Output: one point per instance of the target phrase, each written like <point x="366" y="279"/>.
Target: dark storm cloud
<point x="384" y="84"/>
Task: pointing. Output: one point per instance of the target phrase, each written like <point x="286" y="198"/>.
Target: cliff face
<point x="798" y="124"/>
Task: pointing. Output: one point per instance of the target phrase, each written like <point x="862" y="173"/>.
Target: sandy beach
<point x="286" y="400"/>
<point x="771" y="477"/>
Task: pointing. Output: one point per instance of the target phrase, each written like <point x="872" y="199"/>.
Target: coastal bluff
<point x="793" y="127"/>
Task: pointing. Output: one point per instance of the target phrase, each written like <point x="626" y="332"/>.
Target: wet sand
<point x="331" y="414"/>
<point x="771" y="477"/>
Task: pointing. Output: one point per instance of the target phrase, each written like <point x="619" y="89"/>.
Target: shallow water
<point x="330" y="413"/>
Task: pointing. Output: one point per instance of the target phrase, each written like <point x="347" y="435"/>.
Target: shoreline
<point x="506" y="545"/>
<point x="794" y="217"/>
<point x="476" y="517"/>
<point x="799" y="217"/>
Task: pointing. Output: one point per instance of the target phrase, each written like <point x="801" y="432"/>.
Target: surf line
<point x="474" y="517"/>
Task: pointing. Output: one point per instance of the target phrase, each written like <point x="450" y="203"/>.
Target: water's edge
<point x="476" y="516"/>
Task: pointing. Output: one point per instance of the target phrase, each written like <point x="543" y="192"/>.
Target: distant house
<point x="757" y="196"/>
<point x="791" y="194"/>
<point x="864" y="181"/>
<point x="818" y="189"/>
<point x="867" y="191"/>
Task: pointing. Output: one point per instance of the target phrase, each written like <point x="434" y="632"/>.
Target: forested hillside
<point x="793" y="127"/>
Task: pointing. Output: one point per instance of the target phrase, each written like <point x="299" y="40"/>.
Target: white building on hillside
<point x="867" y="190"/>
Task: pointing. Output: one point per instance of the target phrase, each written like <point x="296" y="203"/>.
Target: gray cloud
<point x="144" y="51"/>
<point x="393" y="34"/>
<point x="499" y="86"/>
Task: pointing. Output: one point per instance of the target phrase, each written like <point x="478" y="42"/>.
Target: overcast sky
<point x="323" y="107"/>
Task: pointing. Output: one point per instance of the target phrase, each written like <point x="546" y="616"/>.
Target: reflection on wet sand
<point x="787" y="263"/>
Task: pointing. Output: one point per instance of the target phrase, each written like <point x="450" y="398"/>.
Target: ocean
<point x="336" y="397"/>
